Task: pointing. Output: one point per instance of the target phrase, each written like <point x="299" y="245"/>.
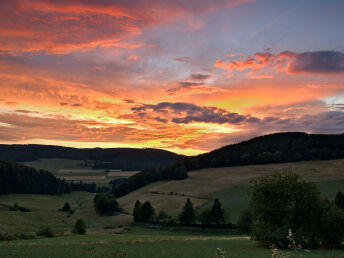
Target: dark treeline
<point x="111" y="158"/>
<point x="273" y="148"/>
<point x="176" y="171"/>
<point x="17" y="178"/>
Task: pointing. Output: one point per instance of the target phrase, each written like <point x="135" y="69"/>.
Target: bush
<point x="66" y="207"/>
<point x="244" y="224"/>
<point x="79" y="227"/>
<point x="106" y="204"/>
<point x="45" y="232"/>
<point x="339" y="201"/>
<point x="332" y="226"/>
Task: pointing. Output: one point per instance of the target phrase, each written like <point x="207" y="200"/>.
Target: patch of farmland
<point x="83" y="178"/>
<point x="79" y="171"/>
<point x="122" y="173"/>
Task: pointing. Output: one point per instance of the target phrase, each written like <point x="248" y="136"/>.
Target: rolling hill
<point x="110" y="158"/>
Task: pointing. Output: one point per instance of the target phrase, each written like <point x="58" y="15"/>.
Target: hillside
<point x="231" y="185"/>
<point x="110" y="158"/>
<point x="273" y="148"/>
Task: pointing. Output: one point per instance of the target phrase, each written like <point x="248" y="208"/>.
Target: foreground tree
<point x="187" y="216"/>
<point x="284" y="205"/>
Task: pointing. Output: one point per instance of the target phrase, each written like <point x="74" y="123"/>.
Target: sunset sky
<point x="187" y="76"/>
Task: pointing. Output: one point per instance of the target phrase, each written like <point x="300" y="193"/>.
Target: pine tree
<point x="217" y="213"/>
<point x="339" y="201"/>
<point x="137" y="211"/>
<point x="147" y="212"/>
<point x="79" y="227"/>
<point x="187" y="216"/>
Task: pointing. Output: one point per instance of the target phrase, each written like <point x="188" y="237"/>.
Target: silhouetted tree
<point x="187" y="216"/>
<point x="147" y="212"/>
<point x="339" y="201"/>
<point x="79" y="227"/>
<point x="137" y="211"/>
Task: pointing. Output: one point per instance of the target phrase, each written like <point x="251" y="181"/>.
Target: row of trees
<point x="146" y="213"/>
<point x="16" y="178"/>
<point x="286" y="211"/>
<point x="176" y="171"/>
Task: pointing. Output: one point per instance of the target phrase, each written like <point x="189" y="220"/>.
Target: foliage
<point x="45" y="232"/>
<point x="106" y="204"/>
<point x="244" y="224"/>
<point x="283" y="203"/>
<point x="79" y="227"/>
<point x="147" y="212"/>
<point x="16" y="178"/>
<point x="187" y="216"/>
<point x="137" y="211"/>
<point x="216" y="215"/>
<point x="332" y="226"/>
<point x="172" y="172"/>
<point x="339" y="201"/>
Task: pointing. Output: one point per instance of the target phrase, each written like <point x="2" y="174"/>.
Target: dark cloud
<point x="184" y="59"/>
<point x="199" y="76"/>
<point x="318" y="62"/>
<point x="184" y="113"/>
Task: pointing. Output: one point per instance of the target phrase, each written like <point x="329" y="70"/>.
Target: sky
<point x="185" y="76"/>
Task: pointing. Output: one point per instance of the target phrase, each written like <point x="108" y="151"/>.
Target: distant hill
<point x="272" y="148"/>
<point x="109" y="158"/>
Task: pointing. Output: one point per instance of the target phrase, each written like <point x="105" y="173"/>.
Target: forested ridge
<point x="272" y="148"/>
<point x="17" y="178"/>
<point x="109" y="158"/>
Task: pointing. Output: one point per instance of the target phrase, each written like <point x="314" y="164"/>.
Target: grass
<point x="231" y="185"/>
<point x="44" y="214"/>
<point x="146" y="242"/>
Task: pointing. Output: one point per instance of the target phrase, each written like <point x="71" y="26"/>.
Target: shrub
<point x="244" y="224"/>
<point x="66" y="207"/>
<point x="45" y="232"/>
<point x="332" y="226"/>
<point x="79" y="227"/>
<point x="16" y="207"/>
<point x="339" y="201"/>
<point x="106" y="204"/>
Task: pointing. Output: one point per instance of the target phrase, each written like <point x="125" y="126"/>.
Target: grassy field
<point x="147" y="242"/>
<point x="114" y="236"/>
<point x="231" y="186"/>
<point x="44" y="214"/>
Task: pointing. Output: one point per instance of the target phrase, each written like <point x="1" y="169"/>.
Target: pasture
<point x="76" y="170"/>
<point x="149" y="242"/>
<point x="231" y="186"/>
